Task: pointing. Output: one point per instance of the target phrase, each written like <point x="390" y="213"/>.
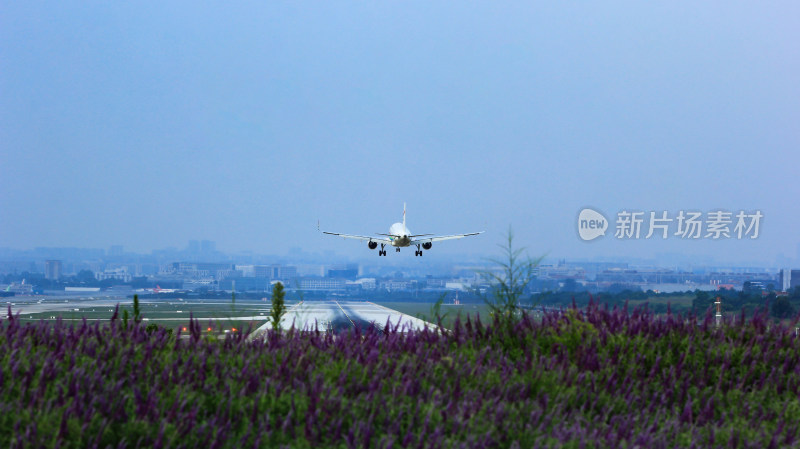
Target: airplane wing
<point x="443" y="237"/>
<point x="359" y="237"/>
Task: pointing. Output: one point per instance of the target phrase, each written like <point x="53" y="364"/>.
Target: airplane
<point x="14" y="284"/>
<point x="157" y="289"/>
<point x="400" y="237"/>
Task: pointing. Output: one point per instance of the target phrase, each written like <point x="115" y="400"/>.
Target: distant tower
<point x="52" y="269"/>
<point x="786" y="279"/>
<point x="718" y="316"/>
<point x="207" y="246"/>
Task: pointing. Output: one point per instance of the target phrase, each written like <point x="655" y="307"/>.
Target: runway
<point x="326" y="315"/>
<point x="340" y="316"/>
<point x="41" y="304"/>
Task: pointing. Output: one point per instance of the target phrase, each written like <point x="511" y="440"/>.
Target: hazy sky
<point x="148" y="124"/>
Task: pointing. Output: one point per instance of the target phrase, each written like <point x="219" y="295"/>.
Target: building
<point x="287" y="272"/>
<point x="207" y="246"/>
<point x="120" y="274"/>
<point x="324" y="284"/>
<point x="785" y="279"/>
<point x="431" y="282"/>
<point x="365" y="283"/>
<point x="456" y="286"/>
<point x="52" y="269"/>
<point x="246" y="284"/>
<point x="275" y="272"/>
<point x="788" y="279"/>
<point x="399" y="285"/>
<point x="247" y="271"/>
<point x="265" y="271"/>
<point x="343" y="271"/>
<point x="199" y="270"/>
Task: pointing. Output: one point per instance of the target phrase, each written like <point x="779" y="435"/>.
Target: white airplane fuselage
<point x="399" y="234"/>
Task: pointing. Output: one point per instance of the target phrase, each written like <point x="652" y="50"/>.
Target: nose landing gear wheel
<point x="418" y="253"/>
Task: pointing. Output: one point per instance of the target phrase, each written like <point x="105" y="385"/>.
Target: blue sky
<point x="148" y="124"/>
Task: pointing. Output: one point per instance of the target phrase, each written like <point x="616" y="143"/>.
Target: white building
<point x="365" y="283"/>
<point x="120" y="274"/>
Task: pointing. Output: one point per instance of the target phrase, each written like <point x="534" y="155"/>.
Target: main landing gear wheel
<point x="418" y="253"/>
<point x="382" y="252"/>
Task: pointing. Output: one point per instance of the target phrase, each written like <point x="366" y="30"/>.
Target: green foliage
<point x="436" y="309"/>
<point x="136" y="311"/>
<point x="781" y="307"/>
<point x="85" y="277"/>
<point x="278" y="306"/>
<point x="152" y="327"/>
<point x="593" y="378"/>
<point x="435" y="315"/>
<point x="702" y="301"/>
<point x="508" y="283"/>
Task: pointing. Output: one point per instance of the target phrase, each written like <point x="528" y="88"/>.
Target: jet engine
<point x="372" y="245"/>
<point x="427" y="245"/>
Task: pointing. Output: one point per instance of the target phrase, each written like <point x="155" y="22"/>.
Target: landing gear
<point x="397" y="250"/>
<point x="418" y="252"/>
<point x="382" y="252"/>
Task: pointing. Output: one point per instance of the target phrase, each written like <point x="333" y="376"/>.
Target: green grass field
<point x="223" y="315"/>
<point x="424" y="311"/>
<point x="169" y="313"/>
<point x="677" y="301"/>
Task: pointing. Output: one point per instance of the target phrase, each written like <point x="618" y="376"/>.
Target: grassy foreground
<point x="592" y="378"/>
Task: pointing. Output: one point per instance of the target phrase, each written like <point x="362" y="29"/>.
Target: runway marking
<point x="265" y="326"/>
<point x="345" y="314"/>
<point x="323" y="312"/>
<point x="411" y="318"/>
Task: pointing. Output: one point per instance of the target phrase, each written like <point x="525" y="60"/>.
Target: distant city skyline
<point x="194" y="272"/>
<point x="148" y="125"/>
<point x="191" y="252"/>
